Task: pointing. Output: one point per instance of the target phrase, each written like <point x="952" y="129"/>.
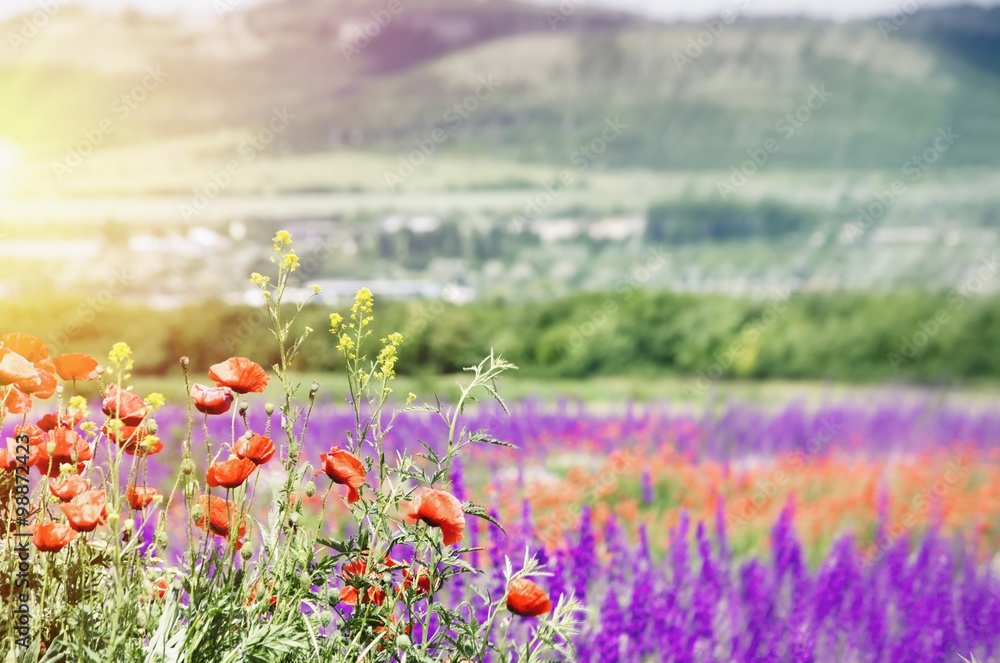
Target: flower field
<point x="357" y="526"/>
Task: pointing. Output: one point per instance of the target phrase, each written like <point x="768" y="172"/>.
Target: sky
<point x="670" y="9"/>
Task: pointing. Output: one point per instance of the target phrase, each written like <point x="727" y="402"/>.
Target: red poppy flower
<point x="216" y="518"/>
<point x="372" y="595"/>
<point x="17" y="402"/>
<point x="439" y="509"/>
<point x="212" y="400"/>
<point x="231" y="473"/>
<point x="86" y="511"/>
<point x="66" y="488"/>
<point x="139" y="497"/>
<point x="36" y="435"/>
<point x="15" y="369"/>
<point x="51" y="536"/>
<point x="8" y="459"/>
<point x="67" y="442"/>
<point x="423" y="584"/>
<point x="527" y="599"/>
<point x="124" y="405"/>
<point x="239" y="374"/>
<point x="259" y="448"/>
<point x="76" y="366"/>
<point x="30" y="347"/>
<point x="344" y="469"/>
<point x="160" y="589"/>
<point x="54" y="420"/>
<point x="43" y="386"/>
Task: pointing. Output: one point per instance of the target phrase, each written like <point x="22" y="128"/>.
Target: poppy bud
<point x="50" y="448"/>
<point x="59" y="389"/>
<point x="244" y="406"/>
<point x="151" y="427"/>
<point x="294" y="518"/>
<point x="197" y="512"/>
<point x="141" y="619"/>
<point x="325" y="619"/>
<point x="314" y="388"/>
<point x="246" y="553"/>
<point x="187" y="466"/>
<point x="128" y="526"/>
<point x="269" y="409"/>
<point x="113" y="519"/>
<point x="185" y="361"/>
<point x="310" y="489"/>
<point x="403" y="642"/>
<point x="161" y="541"/>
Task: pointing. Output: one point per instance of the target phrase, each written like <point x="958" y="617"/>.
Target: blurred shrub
<point x="844" y="336"/>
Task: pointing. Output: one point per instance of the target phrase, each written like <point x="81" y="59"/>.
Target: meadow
<point x="268" y="518"/>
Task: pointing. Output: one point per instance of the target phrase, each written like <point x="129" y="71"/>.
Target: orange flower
<point x="439" y="509"/>
<point x="86" y="511"/>
<point x="139" y="497"/>
<point x="43" y="386"/>
<point x="344" y="469"/>
<point x="527" y="599"/>
<point x="212" y="400"/>
<point x="17" y="402"/>
<point x="239" y="374"/>
<point x="231" y="473"/>
<point x="216" y="518"/>
<point x="15" y="369"/>
<point x="124" y="405"/>
<point x="160" y="588"/>
<point x="66" y="488"/>
<point x="259" y="448"/>
<point x="75" y="366"/>
<point x="51" y="536"/>
<point x="54" y="420"/>
<point x="30" y="347"/>
<point x="67" y="443"/>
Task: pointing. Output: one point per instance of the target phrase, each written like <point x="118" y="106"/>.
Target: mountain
<point x="558" y="78"/>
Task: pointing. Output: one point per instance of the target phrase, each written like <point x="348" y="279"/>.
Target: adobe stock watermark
<point x="559" y="15"/>
<point x="454" y="116"/>
<point x="581" y="160"/>
<point x="364" y="34"/>
<point x="624" y="289"/>
<point x="21" y="550"/>
<point x="121" y="110"/>
<point x="748" y="337"/>
<point x="912" y="345"/>
<point x="713" y="29"/>
<point x="913" y="170"/>
<point x="901" y="13"/>
<point x="248" y="150"/>
<point x="33" y="24"/>
<point x="787" y="126"/>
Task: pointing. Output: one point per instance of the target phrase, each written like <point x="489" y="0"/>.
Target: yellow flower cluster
<point x="282" y="239"/>
<point x="156" y="401"/>
<point x="260" y="280"/>
<point x="361" y="310"/>
<point x="335" y="321"/>
<point x="290" y="261"/>
<point x="78" y="404"/>
<point x="121" y="357"/>
<point x="387" y="356"/>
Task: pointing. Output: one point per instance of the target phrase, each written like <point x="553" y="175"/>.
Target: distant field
<point x="615" y="391"/>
